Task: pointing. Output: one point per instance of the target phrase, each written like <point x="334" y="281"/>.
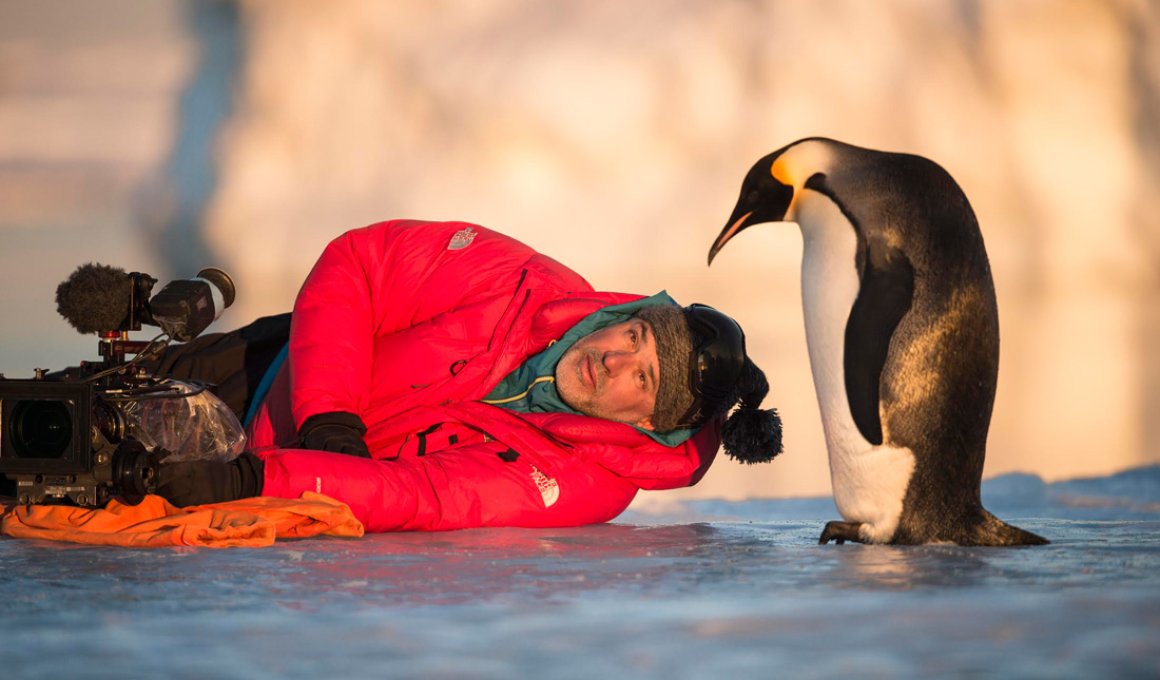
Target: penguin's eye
<point x="753" y="196"/>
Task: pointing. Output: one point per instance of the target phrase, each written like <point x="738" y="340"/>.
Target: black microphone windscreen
<point x="95" y="298"/>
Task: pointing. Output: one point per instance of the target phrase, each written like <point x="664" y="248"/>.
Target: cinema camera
<point x="66" y="437"/>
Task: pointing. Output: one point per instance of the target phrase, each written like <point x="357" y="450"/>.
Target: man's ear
<point x="645" y="423"/>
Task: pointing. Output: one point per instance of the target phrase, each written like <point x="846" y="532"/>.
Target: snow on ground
<point x="709" y="589"/>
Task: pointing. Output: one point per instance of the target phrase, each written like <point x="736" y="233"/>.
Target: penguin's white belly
<point x="869" y="481"/>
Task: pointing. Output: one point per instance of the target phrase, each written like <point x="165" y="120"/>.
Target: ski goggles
<point x="716" y="363"/>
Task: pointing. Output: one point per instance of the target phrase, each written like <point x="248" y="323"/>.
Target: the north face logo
<point x="549" y="489"/>
<point x="462" y="238"/>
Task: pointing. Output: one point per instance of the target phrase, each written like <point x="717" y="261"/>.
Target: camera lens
<point x="41" y="428"/>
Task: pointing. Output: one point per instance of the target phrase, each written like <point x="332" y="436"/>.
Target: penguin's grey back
<point x="937" y="388"/>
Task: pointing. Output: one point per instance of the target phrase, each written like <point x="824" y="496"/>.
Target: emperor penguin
<point x="902" y="329"/>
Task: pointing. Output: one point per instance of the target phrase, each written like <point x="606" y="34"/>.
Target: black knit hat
<point x="704" y="372"/>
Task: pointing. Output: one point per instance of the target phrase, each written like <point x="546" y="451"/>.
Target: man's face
<point x="612" y="373"/>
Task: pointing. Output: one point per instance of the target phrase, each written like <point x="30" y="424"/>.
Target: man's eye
<point x="641" y="379"/>
<point x="632" y="337"/>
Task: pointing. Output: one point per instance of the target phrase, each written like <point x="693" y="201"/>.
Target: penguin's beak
<point x="737" y="222"/>
<point x="763" y="199"/>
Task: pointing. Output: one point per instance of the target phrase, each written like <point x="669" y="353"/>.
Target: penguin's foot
<point x="840" y="532"/>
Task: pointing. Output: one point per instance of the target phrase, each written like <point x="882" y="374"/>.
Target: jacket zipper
<point x="527" y="294"/>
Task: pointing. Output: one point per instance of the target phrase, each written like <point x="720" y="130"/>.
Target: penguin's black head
<point x="763" y="199"/>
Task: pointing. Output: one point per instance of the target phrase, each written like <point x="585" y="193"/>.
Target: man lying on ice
<point x="443" y="376"/>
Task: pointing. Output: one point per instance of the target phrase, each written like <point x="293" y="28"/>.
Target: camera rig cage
<point x="64" y="437"/>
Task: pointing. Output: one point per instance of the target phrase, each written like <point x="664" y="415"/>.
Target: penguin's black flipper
<point x="885" y="295"/>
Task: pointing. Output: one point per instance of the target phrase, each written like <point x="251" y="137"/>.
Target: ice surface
<point x="710" y="589"/>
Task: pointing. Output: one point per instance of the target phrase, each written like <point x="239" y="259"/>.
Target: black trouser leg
<point x="232" y="363"/>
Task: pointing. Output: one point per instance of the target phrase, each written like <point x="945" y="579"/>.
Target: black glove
<point x="197" y="482"/>
<point x="336" y="431"/>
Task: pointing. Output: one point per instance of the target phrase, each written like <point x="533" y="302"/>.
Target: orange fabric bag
<point x="248" y="522"/>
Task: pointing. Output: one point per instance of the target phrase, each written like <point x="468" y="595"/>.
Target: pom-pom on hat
<point x="704" y="372"/>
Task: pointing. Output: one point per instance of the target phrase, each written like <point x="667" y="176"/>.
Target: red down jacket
<point x="407" y="324"/>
